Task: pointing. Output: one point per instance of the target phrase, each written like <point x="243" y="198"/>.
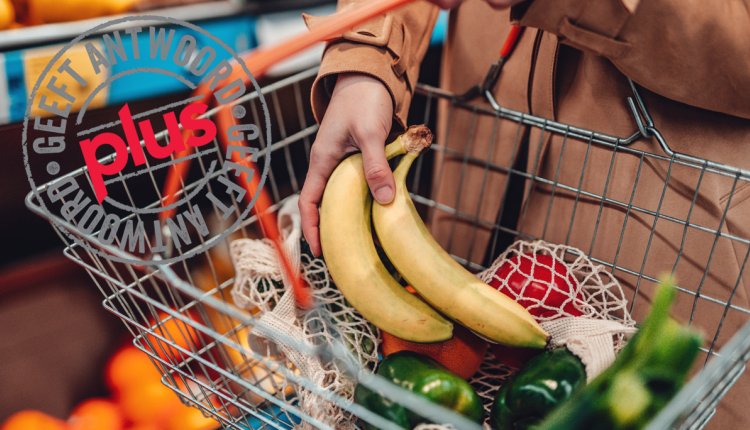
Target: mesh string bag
<point x="583" y="308"/>
<point x="591" y="320"/>
<point x="590" y="317"/>
<point x="260" y="287"/>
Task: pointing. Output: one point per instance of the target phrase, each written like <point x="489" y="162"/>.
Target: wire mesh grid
<point x="493" y="175"/>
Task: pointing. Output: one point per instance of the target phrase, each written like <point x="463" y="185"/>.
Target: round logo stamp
<point x="150" y="182"/>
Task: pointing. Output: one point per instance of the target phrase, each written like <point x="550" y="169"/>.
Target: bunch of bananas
<point x="449" y="291"/>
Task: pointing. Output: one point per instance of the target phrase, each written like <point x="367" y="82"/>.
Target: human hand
<point x="358" y="118"/>
<point x="497" y="4"/>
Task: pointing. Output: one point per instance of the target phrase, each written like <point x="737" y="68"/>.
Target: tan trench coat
<point x="571" y="63"/>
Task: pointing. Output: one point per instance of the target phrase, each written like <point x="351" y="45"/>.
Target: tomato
<point x="527" y="279"/>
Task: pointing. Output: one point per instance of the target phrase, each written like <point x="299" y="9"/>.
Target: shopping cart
<point x="209" y="363"/>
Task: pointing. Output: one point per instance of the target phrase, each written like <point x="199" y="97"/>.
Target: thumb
<point x="377" y="171"/>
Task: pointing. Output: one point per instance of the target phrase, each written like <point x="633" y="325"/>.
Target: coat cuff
<point x="591" y="25"/>
<point x="376" y="62"/>
<point x="380" y="48"/>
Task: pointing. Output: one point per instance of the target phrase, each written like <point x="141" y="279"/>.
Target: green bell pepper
<point x="426" y="377"/>
<point x="647" y="373"/>
<point x="545" y="382"/>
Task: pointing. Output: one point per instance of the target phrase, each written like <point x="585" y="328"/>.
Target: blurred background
<point x="65" y="363"/>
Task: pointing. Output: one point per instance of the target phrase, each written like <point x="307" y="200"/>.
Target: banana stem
<point x="410" y="144"/>
<point x="416" y="138"/>
<point x="403" y="167"/>
<point x="394" y="149"/>
<point x="413" y="141"/>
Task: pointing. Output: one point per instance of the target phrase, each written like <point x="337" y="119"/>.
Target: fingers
<point x="359" y="116"/>
<point x="308" y="209"/>
<point x="322" y="163"/>
<point x="377" y="171"/>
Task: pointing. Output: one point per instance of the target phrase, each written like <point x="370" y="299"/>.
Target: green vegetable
<point x="426" y="377"/>
<point x="545" y="382"/>
<point x="645" y="376"/>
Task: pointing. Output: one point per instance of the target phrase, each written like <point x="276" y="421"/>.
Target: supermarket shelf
<point x="22" y="51"/>
<point x="40" y="34"/>
<point x="241" y="25"/>
<point x="51" y="33"/>
<point x="20" y="68"/>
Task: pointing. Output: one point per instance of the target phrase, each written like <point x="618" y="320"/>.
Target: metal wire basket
<point x="210" y="365"/>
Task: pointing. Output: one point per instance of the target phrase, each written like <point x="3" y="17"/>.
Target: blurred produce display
<point x="138" y="401"/>
<point x="7" y="14"/>
<point x="22" y="13"/>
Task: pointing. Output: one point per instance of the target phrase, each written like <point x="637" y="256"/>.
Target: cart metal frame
<point x="224" y="378"/>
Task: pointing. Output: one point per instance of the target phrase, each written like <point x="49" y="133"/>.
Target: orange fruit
<point x="462" y="354"/>
<point x="187" y="418"/>
<point x="7" y="14"/>
<point x="170" y="334"/>
<point x="145" y="426"/>
<point x="129" y="366"/>
<point x="148" y="402"/>
<point x="96" y="414"/>
<point x="32" y="420"/>
<point x="194" y="389"/>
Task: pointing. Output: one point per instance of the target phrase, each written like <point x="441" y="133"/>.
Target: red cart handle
<point x="510" y="40"/>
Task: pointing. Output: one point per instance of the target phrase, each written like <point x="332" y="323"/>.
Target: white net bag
<point x="260" y="287"/>
<point x="578" y="302"/>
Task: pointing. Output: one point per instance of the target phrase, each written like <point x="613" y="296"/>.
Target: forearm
<point x="388" y="48"/>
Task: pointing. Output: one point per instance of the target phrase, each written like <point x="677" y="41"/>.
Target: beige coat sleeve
<point x="692" y="51"/>
<point x="389" y="48"/>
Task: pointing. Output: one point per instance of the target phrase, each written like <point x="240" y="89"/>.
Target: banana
<point x="439" y="279"/>
<point x="349" y="251"/>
